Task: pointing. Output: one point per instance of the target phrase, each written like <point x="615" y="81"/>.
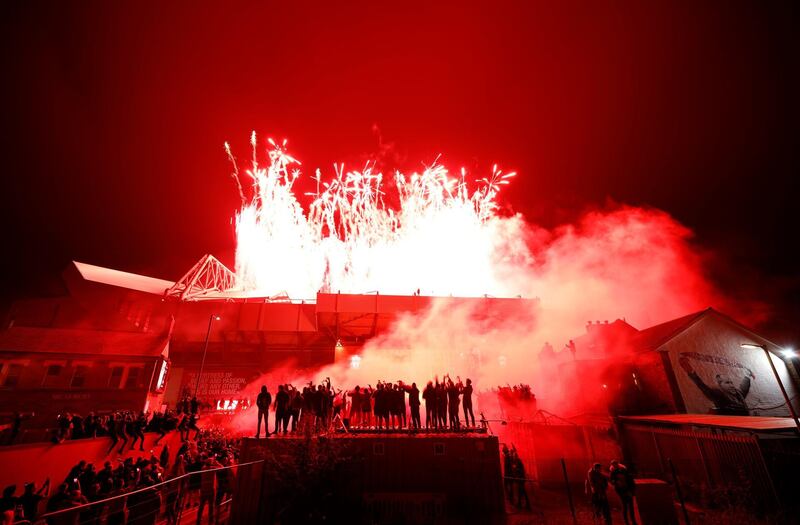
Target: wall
<point x="712" y="347"/>
<point x="388" y="477"/>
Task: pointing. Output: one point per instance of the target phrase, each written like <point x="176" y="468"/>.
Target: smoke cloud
<point x="628" y="262"/>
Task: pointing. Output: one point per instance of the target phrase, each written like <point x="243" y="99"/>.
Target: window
<point x="134" y="376"/>
<point x="12" y="375"/>
<point x="79" y="376"/>
<point x="438" y="449"/>
<point x="116" y="376"/>
<point x="52" y="372"/>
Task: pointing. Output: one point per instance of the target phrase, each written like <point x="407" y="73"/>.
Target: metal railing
<point x="183" y="499"/>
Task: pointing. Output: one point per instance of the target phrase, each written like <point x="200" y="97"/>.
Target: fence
<point x="184" y="499"/>
<point x="711" y="467"/>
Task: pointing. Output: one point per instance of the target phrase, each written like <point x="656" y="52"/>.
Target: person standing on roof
<point x="263" y="402"/>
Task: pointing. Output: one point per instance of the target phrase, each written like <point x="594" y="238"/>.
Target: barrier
<point x="177" y="500"/>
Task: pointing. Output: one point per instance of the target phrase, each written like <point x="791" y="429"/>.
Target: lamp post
<point x="778" y="379"/>
<point x="211" y="319"/>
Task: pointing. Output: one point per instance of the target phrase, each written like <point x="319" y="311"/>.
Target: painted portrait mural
<point x="716" y="375"/>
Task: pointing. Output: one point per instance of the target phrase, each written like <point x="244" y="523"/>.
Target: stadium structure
<point x="119" y="340"/>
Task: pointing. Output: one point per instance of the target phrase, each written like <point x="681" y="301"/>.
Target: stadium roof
<point x="121" y="279"/>
<point x="210" y="280"/>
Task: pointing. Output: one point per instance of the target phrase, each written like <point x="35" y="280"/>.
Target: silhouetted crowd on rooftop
<point x="386" y="406"/>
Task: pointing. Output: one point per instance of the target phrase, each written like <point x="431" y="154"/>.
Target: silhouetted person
<point x="378" y="406"/>
<point x="224" y="483"/>
<point x="366" y="406"/>
<point x="183" y="426"/>
<point x="400" y="392"/>
<point x="90" y="426"/>
<point x="355" y="403"/>
<point x="625" y="487"/>
<point x="15" y="427"/>
<point x="111" y="428"/>
<point x="63" y="426"/>
<point x="413" y="403"/>
<point x="193" y="419"/>
<point x="77" y="427"/>
<point x="143" y="507"/>
<point x="281" y="406"/>
<point x="508" y="472"/>
<point x="194" y="405"/>
<point x="393" y="405"/>
<point x="119" y="427"/>
<point x="263" y="401"/>
<point x="137" y="428"/>
<point x="429" y="395"/>
<point x="163" y="458"/>
<point x="597" y="486"/>
<point x="441" y="405"/>
<point x="452" y="404"/>
<point x="8" y="503"/>
<point x="572" y="348"/>
<point x="295" y="407"/>
<point x="728" y="399"/>
<point x="116" y="507"/>
<point x="518" y="473"/>
<point x="467" y="403"/>
<point x="31" y="498"/>
<point x="208" y="490"/>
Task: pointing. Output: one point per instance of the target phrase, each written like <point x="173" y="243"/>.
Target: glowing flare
<point x="442" y="239"/>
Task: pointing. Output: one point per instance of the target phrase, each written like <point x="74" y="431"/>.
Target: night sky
<point x="114" y="116"/>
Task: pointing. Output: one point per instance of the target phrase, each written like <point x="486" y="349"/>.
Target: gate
<point x="711" y="467"/>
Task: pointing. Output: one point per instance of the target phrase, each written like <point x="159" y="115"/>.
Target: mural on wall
<point x="728" y="380"/>
<point x="726" y="392"/>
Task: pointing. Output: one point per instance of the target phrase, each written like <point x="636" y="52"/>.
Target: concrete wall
<point x="374" y="478"/>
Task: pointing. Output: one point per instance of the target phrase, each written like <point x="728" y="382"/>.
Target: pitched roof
<point x="655" y="336"/>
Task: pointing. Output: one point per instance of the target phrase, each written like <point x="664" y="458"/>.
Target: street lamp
<point x="211" y="319"/>
<point x="777" y="378"/>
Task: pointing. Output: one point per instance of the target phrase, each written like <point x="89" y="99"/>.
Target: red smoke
<point x="628" y="262"/>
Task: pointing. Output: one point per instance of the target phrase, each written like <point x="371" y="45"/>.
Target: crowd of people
<point x="387" y="406"/>
<point x="596" y="485"/>
<point x="520" y="392"/>
<point x="139" y="481"/>
<point x="619" y="477"/>
<point x="127" y="427"/>
<point x="514" y="478"/>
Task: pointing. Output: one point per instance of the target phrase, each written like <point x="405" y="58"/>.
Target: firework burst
<point x="442" y="239"/>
